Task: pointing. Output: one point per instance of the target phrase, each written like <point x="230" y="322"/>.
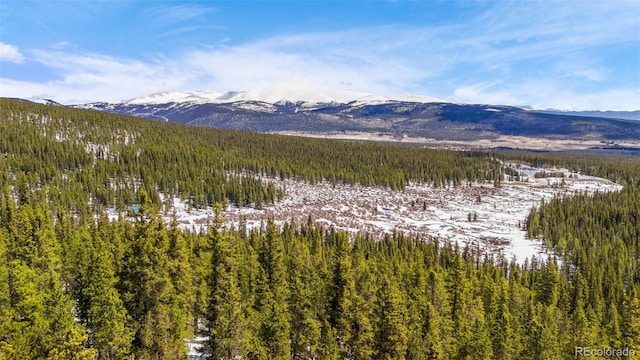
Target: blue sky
<point x="573" y="55"/>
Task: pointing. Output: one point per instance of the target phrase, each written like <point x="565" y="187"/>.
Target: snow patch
<point x="497" y="214"/>
<point x="478" y="215"/>
<point x="417" y="99"/>
<point x="176" y="97"/>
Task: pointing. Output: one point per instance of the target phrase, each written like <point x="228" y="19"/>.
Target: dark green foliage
<point x="224" y="320"/>
<point x="391" y="332"/>
<point x="267" y="298"/>
<point x="95" y="158"/>
<point x="74" y="285"/>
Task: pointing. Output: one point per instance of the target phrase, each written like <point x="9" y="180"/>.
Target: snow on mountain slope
<point x="371" y="100"/>
<point x="418" y="99"/>
<point x="295" y="92"/>
<point x="176" y="97"/>
<point x="409" y="98"/>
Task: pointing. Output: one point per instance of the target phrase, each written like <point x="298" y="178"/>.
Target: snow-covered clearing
<point x="497" y="214"/>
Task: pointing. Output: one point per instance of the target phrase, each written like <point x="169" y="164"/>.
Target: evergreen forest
<point x="76" y="285"/>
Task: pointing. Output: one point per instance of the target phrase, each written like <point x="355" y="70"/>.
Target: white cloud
<point x="591" y="74"/>
<point x="179" y="13"/>
<point x="265" y="63"/>
<point x="97" y="77"/>
<point x="548" y="94"/>
<point x="582" y="68"/>
<point x="485" y="93"/>
<point x="60" y="45"/>
<point x="491" y="59"/>
<point x="626" y="99"/>
<point x="10" y="53"/>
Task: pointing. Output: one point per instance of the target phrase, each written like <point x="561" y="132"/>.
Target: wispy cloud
<point x="93" y="77"/>
<point x="10" y="53"/>
<point x="179" y="13"/>
<point x="548" y="94"/>
<point x="487" y="93"/>
<point x="182" y="30"/>
<point x="60" y="45"/>
<point x="176" y="21"/>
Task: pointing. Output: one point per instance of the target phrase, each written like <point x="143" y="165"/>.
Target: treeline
<point x="622" y="169"/>
<point x="88" y="157"/>
<point x="598" y="239"/>
<point x="138" y="289"/>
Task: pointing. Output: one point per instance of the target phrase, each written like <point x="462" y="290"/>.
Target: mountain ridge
<point x="279" y="93"/>
<point x="436" y="120"/>
<point x="318" y="110"/>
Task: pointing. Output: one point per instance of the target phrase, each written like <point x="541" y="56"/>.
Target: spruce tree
<point x="148" y="294"/>
<point x="391" y="336"/>
<point x="224" y="321"/>
<point x="272" y="296"/>
<point x="304" y="302"/>
<point x="108" y="321"/>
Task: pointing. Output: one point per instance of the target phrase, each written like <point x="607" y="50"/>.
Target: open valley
<point x="479" y="215"/>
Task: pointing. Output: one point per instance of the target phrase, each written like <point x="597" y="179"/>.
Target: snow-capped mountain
<point x="202" y="97"/>
<point x="417" y="98"/>
<point x="298" y="93"/>
<point x="308" y="108"/>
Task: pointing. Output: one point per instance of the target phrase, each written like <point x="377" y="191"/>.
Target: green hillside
<point x="101" y="158"/>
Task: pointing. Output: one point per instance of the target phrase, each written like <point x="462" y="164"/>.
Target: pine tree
<point x="108" y="320"/>
<point x="304" y="285"/>
<point x="432" y="333"/>
<point x="547" y="283"/>
<point x="180" y="270"/>
<point x="339" y="282"/>
<point x="459" y="291"/>
<point x="41" y="323"/>
<point x="149" y="296"/>
<point x="127" y="288"/>
<point x="391" y="333"/>
<point x="583" y="332"/>
<point x="631" y="320"/>
<point x="503" y="332"/>
<point x="225" y="323"/>
<point x="611" y="330"/>
<point x="476" y="341"/>
<point x="328" y="347"/>
<point x="272" y="296"/>
<point x="542" y="334"/>
<point x="358" y="317"/>
<point x="439" y="297"/>
<point x="39" y="317"/>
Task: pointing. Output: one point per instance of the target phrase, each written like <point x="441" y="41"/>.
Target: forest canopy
<point x="78" y="286"/>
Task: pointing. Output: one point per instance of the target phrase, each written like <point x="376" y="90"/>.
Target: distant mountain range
<point x="312" y="109"/>
<point x="631" y="115"/>
<point x="300" y="93"/>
